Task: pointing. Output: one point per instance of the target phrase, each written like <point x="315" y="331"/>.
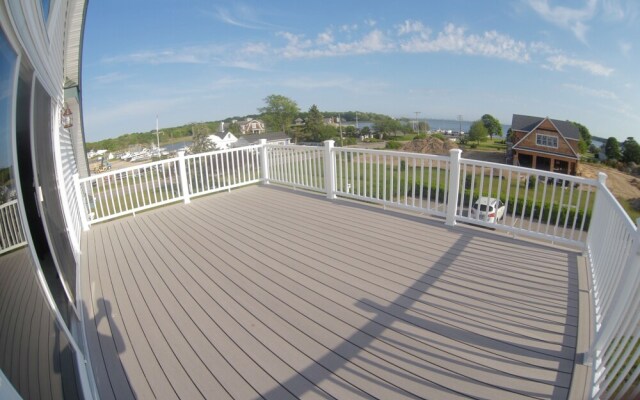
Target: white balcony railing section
<point x="11" y="231"/>
<point x="559" y="208"/>
<point x="614" y="253"/>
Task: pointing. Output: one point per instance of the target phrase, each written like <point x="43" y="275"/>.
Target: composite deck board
<point x="336" y="251"/>
<point x="268" y="293"/>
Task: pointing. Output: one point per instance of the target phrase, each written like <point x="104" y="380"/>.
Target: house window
<point x="547" y="141"/>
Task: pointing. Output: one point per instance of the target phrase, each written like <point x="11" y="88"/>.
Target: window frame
<point x="539" y="136"/>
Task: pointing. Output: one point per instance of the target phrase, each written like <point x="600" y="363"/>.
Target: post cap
<point x="602" y="177"/>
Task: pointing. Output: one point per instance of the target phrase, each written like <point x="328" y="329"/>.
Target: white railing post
<point x="602" y="183"/>
<point x="84" y="220"/>
<point x="454" y="186"/>
<point x="329" y="169"/>
<point x="264" y="162"/>
<point x="182" y="165"/>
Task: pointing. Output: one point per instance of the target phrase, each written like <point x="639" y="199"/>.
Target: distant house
<point x="272" y="138"/>
<point x="93" y="153"/>
<point x="222" y="140"/>
<point x="544" y="143"/>
<point x="251" y="126"/>
<point x="298" y="122"/>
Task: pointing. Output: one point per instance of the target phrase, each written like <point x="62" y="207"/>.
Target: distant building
<point x="272" y="138"/>
<point x="222" y="140"/>
<point x="93" y="153"/>
<point x="251" y="126"/>
<point x="544" y="143"/>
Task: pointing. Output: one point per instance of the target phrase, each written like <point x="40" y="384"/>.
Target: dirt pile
<point x="430" y="145"/>
<point x="622" y="185"/>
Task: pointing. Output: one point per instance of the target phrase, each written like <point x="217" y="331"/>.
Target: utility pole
<point x="460" y="121"/>
<point x="340" y="124"/>
<point x="417" y="123"/>
<point x="157" y="134"/>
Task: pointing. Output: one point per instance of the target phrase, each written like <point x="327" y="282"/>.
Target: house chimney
<point x="221" y="127"/>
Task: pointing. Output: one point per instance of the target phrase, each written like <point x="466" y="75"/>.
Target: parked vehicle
<point x="488" y="209"/>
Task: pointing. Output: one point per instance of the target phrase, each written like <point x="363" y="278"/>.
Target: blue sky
<point x="201" y="60"/>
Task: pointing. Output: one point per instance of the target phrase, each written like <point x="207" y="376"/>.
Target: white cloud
<point x="187" y="55"/>
<point x="370" y="22"/>
<point x="349" y="28"/>
<point x="325" y="37"/>
<point x="598" y="93"/>
<point x="560" y="61"/>
<point x="136" y="108"/>
<point x="409" y="37"/>
<point x="299" y="47"/>
<point x="110" y="77"/>
<point x="618" y="10"/>
<point x="574" y="19"/>
<point x="454" y="39"/>
<point x="241" y="16"/>
<point x="410" y="26"/>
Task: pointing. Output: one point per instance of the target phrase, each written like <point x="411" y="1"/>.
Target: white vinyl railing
<point x="222" y="170"/>
<point x="11" y="231"/>
<point x="130" y="190"/>
<point x="614" y="253"/>
<point x="297" y="166"/>
<point x="406" y="180"/>
<point x="541" y="204"/>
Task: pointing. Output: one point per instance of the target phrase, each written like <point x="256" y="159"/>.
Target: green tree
<point x="201" y="142"/>
<point x="478" y="132"/>
<point x="314" y="122"/>
<point x="631" y="151"/>
<point x="278" y="112"/>
<point x="365" y="131"/>
<point x="387" y="125"/>
<point x="612" y="149"/>
<point x="492" y="125"/>
<point x="325" y="132"/>
<point x="234" y="128"/>
<point x="423" y="126"/>
<point x="351" y="131"/>
<point x="585" y="135"/>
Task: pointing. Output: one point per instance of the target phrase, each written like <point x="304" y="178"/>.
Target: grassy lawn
<point x="494" y="144"/>
<point x="523" y="196"/>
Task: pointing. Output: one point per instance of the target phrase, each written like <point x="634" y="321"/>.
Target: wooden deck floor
<point x="268" y="293"/>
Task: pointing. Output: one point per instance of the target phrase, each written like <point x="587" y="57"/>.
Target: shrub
<point x="473" y="145"/>
<point x="420" y="136"/>
<point x="439" y="136"/>
<point x="393" y="145"/>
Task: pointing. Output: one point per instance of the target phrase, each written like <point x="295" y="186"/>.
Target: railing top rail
<point x="295" y="146"/>
<point x="161" y="162"/>
<point x="529" y="171"/>
<point x="8" y="204"/>
<point x="606" y="193"/>
<point x="231" y="150"/>
<point x="127" y="169"/>
<point x="391" y="153"/>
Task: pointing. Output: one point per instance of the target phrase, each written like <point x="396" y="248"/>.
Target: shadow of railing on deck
<point x="350" y="350"/>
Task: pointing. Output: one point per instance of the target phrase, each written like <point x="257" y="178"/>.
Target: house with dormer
<point x="251" y="126"/>
<point x="222" y="140"/>
<point x="544" y="143"/>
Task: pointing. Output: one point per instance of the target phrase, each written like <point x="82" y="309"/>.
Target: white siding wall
<point x="66" y="170"/>
<point x="44" y="48"/>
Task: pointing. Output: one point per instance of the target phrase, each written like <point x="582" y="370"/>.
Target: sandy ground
<point x="621" y="185"/>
